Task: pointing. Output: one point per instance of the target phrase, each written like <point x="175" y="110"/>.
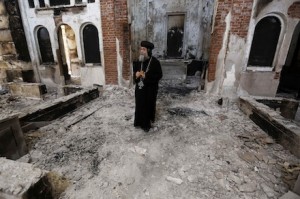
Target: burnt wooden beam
<point x="283" y="130"/>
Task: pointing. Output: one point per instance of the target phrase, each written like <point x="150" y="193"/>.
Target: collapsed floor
<point x="197" y="149"/>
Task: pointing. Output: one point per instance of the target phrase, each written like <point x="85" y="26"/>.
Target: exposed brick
<point x="294" y="10"/>
<point x="241" y="13"/>
<point x="115" y="25"/>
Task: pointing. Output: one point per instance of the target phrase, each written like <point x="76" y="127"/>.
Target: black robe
<point x="145" y="98"/>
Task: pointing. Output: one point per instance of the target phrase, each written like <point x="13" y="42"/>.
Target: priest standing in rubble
<point x="147" y="74"/>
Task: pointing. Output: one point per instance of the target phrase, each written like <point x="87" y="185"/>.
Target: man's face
<point x="143" y="51"/>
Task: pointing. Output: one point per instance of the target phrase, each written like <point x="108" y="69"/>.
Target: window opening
<point x="264" y="43"/>
<point x="45" y="46"/>
<point x="42" y="3"/>
<point x="59" y="2"/>
<point x="31" y="3"/>
<point x="91" y="44"/>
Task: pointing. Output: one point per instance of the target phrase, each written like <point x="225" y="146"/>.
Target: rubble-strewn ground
<point x="197" y="149"/>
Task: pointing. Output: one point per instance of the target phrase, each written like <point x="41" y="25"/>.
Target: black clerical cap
<point x="147" y="44"/>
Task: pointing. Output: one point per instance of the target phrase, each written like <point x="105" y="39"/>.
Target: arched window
<point x="91" y="44"/>
<point x="264" y="43"/>
<point x="45" y="46"/>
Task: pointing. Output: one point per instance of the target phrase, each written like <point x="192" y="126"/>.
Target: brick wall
<point x="115" y="25"/>
<point x="294" y="10"/>
<point x="241" y="13"/>
<point x="6" y="42"/>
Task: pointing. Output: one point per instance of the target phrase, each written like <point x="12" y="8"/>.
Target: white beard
<point x="141" y="58"/>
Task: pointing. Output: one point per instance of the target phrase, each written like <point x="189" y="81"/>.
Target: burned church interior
<point x="227" y="111"/>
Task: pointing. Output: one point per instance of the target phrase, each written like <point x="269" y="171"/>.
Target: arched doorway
<point x="290" y="75"/>
<point x="69" y="62"/>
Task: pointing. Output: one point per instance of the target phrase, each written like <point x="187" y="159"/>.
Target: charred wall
<point x="152" y="20"/>
<point x="17" y="31"/>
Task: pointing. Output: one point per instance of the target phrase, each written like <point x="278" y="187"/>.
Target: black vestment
<point x="145" y="97"/>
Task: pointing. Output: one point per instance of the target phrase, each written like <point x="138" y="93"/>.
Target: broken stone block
<point x="30" y="90"/>
<point x="22" y="180"/>
<point x="12" y="142"/>
<point x="174" y="180"/>
<point x="8" y="48"/>
<point x="4" y="22"/>
<point x="248" y="187"/>
<point x="5" y="35"/>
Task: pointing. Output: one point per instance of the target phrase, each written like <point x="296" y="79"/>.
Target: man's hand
<point x="140" y="74"/>
<point x="137" y="74"/>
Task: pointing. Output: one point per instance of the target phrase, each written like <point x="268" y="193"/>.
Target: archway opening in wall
<point x="46" y="54"/>
<point x="175" y="36"/>
<point x="264" y="43"/>
<point x="69" y="62"/>
<point x="91" y="45"/>
<point x="289" y="84"/>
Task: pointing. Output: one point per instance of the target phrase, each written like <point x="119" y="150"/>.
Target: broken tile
<point x="174" y="180"/>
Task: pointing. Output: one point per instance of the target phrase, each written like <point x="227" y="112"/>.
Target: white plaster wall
<point x="237" y="79"/>
<point x="91" y="14"/>
<point x="121" y="80"/>
<point x="150" y="18"/>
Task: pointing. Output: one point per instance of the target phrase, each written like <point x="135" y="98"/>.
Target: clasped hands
<point x="140" y="74"/>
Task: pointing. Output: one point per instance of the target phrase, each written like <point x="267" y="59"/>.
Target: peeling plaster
<point x="233" y="66"/>
<point x="233" y="78"/>
<point x="216" y="86"/>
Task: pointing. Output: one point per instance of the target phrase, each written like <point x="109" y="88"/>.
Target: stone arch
<point x="265" y="41"/>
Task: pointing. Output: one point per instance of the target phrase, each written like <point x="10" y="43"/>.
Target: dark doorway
<point x="46" y="55"/>
<point x="91" y="44"/>
<point x="264" y="43"/>
<point x="175" y="36"/>
<point x="290" y="74"/>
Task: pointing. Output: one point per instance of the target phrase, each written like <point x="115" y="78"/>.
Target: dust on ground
<point x="197" y="149"/>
